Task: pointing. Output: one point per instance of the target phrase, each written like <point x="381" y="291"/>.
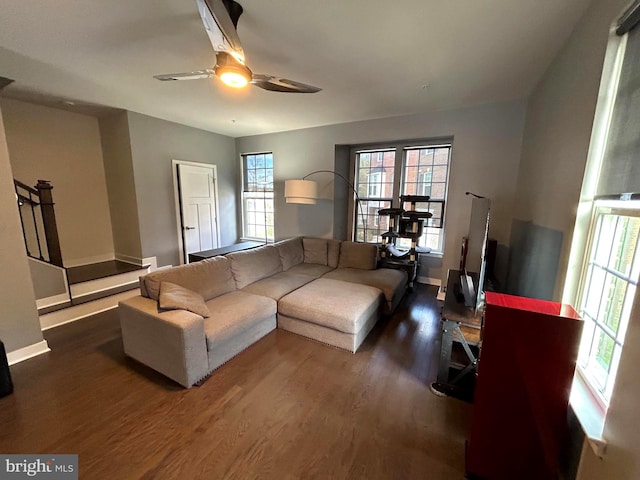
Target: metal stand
<point x="460" y="325"/>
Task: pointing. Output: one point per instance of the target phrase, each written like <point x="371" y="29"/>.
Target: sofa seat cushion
<point x="334" y="304"/>
<point x="310" y="269"/>
<point x="249" y="266"/>
<point x="209" y="278"/>
<point x="392" y="282"/>
<point x="234" y="313"/>
<point x="278" y="285"/>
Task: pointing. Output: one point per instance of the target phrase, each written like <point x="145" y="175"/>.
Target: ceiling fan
<point x="220" y="18"/>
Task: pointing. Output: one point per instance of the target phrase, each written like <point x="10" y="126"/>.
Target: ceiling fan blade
<point x="220" y="18"/>
<point x="206" y="73"/>
<point x="276" y="84"/>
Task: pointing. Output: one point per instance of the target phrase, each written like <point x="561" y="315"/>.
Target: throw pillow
<point x="175" y="297"/>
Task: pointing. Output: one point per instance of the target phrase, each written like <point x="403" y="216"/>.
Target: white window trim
<point x="259" y="195"/>
<point x="585" y="405"/>
<point x="623" y="208"/>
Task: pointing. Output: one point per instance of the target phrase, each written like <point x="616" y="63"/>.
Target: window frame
<point x="599" y="209"/>
<point x="260" y="195"/>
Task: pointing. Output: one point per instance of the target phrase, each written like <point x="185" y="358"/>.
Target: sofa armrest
<point x="172" y="342"/>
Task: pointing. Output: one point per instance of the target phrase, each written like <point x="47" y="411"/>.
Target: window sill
<point x="589" y="414"/>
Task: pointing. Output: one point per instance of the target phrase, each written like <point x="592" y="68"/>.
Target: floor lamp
<point x="306" y="191"/>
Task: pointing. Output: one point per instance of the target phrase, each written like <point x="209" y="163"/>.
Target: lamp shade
<point x="301" y="191"/>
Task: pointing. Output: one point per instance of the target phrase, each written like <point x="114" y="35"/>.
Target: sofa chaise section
<point x="332" y="312"/>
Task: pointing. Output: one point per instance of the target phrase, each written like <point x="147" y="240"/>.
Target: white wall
<point x="19" y="324"/>
<point x="486" y="152"/>
<point x="64" y="147"/>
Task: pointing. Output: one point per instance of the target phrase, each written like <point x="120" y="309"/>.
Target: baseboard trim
<point x="52" y="301"/>
<point x="151" y="262"/>
<point x="89" y="260"/>
<point x="429" y="281"/>
<point x="28" y="352"/>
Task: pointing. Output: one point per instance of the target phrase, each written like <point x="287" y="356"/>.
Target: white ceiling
<point x="372" y="58"/>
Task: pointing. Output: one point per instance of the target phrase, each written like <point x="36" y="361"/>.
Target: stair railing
<point x="38" y="220"/>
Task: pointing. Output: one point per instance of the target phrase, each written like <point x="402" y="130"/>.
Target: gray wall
<point x="557" y="135"/>
<point x="118" y="167"/>
<point x="487" y="141"/>
<point x="154" y="143"/>
<point x="19" y="324"/>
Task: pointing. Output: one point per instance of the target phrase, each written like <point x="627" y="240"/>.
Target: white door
<point x="197" y="209"/>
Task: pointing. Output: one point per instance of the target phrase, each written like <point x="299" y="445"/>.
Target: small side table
<point x="236" y="247"/>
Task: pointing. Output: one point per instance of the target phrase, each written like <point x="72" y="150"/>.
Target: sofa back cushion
<point x="252" y="265"/>
<point x="358" y="255"/>
<point x="209" y="278"/>
<point x="333" y="252"/>
<point x="321" y="251"/>
<point x="315" y="250"/>
<point x="291" y="252"/>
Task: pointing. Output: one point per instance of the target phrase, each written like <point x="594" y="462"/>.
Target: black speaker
<point x="6" y="386"/>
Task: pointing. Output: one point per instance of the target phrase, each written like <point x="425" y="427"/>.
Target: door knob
<point x="189" y="228"/>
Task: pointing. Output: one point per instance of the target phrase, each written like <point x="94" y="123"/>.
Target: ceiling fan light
<point x="233" y="78"/>
<point x="232" y="72"/>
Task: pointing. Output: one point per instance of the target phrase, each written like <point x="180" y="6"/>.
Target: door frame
<point x="176" y="199"/>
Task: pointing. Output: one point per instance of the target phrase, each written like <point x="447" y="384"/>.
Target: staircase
<point x="58" y="288"/>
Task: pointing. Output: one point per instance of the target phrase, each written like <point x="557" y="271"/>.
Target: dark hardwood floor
<point x="286" y="408"/>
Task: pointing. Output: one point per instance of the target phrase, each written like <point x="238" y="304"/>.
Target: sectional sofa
<point x="191" y="319"/>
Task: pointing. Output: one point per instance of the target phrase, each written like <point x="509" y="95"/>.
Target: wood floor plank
<point x="285" y="408"/>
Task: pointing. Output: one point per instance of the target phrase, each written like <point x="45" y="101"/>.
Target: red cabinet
<point x="527" y="362"/>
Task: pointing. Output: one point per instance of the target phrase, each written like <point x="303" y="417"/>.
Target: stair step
<point x="95" y="281"/>
<point x="95" y="271"/>
<point x="77" y="312"/>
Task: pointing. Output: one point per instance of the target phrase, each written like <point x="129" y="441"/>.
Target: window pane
<point x="626" y="238"/>
<point x="606" y="230"/>
<point x="440" y="174"/>
<point x="614" y="296"/>
<point x="594" y="291"/>
<point x="601" y="356"/>
<point x="586" y="342"/>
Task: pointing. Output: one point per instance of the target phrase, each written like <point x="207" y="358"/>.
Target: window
<point x="422" y="170"/>
<point x="607" y="294"/>
<point x="257" y="196"/>
<point x="604" y="263"/>
<point x="374" y="183"/>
